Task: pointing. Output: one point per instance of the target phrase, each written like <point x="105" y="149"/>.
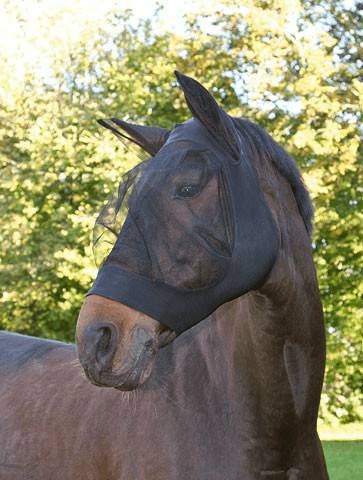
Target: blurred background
<point x="293" y="66"/>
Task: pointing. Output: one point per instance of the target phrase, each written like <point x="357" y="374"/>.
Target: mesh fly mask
<point x="189" y="229"/>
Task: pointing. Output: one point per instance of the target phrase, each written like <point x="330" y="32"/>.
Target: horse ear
<point x="150" y="139"/>
<point x="204" y="107"/>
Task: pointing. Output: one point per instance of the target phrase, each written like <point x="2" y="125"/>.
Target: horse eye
<point x="187" y="190"/>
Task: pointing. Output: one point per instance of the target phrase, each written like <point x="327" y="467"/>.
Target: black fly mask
<point x="189" y="229"/>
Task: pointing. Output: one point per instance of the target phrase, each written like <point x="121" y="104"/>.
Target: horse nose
<point x="101" y="344"/>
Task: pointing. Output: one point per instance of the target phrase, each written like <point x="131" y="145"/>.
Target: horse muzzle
<point x="117" y="345"/>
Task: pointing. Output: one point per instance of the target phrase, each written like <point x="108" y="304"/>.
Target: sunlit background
<point x="293" y="66"/>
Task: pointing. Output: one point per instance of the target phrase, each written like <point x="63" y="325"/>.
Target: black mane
<point x="258" y="139"/>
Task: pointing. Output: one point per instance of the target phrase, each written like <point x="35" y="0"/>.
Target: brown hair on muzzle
<point x="117" y="344"/>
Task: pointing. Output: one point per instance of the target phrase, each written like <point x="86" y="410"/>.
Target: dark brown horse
<point x="205" y="317"/>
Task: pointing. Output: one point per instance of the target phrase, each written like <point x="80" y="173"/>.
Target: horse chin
<point x="135" y="379"/>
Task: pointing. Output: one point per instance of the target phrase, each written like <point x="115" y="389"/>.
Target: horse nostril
<point x="105" y="340"/>
<point x="149" y="343"/>
<point x="105" y="345"/>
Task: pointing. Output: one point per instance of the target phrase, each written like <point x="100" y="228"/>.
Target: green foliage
<point x="290" y="65"/>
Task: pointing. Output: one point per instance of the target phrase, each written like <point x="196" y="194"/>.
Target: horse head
<point x="192" y="231"/>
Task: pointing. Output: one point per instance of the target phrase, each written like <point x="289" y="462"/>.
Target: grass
<point x="344" y="459"/>
<point x="343" y="448"/>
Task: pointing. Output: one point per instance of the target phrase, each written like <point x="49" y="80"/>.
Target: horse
<point x="200" y="347"/>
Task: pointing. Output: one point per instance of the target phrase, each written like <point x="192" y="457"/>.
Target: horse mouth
<point x="125" y="377"/>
